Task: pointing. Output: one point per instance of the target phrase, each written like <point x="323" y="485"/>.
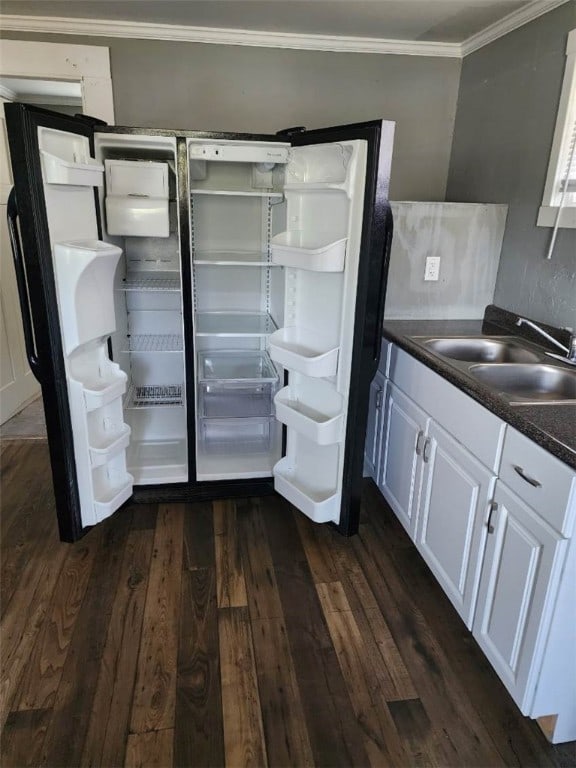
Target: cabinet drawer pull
<point x="531" y="480"/>
<point x="425" y="454"/>
<point x="418" y="446"/>
<point x="379" y="398"/>
<point x="493" y="508"/>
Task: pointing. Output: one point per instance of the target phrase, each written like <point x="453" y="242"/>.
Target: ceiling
<point x="451" y="21"/>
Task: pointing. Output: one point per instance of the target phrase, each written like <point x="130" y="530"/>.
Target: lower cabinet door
<point x="400" y="473"/>
<point x="374" y="427"/>
<point x="451" y="532"/>
<point x="520" y="575"/>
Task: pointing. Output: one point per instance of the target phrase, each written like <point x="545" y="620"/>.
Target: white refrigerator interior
<point x="237" y="205"/>
<point x="139" y="199"/>
<point x="274" y="246"/>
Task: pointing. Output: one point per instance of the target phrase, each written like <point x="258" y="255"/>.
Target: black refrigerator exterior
<point x="32" y="251"/>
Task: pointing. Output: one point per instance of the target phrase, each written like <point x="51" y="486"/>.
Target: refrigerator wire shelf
<point x="155" y="343"/>
<point x="154" y="396"/>
<point x="148" y="283"/>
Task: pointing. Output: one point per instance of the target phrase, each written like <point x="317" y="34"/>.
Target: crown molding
<point x="245" y="37"/>
<point x="7" y="93"/>
<point x="509" y="23"/>
<point x="180" y="33"/>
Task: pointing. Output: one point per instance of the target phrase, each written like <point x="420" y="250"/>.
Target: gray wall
<point x="213" y="87"/>
<point x="509" y="93"/>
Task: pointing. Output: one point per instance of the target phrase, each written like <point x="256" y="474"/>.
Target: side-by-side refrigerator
<point x="202" y="310"/>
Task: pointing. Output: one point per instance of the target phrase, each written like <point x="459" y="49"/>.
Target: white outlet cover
<point x="432" y="269"/>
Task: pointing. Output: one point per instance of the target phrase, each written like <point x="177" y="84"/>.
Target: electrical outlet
<point x="432" y="269"/>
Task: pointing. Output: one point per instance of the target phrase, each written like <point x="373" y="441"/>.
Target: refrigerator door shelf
<point x="299" y="349"/>
<point x="323" y="428"/>
<point x="112" y="486"/>
<point x="137" y="216"/>
<point x="101" y="380"/>
<point x="319" y="505"/>
<point x="103" y="451"/>
<point x="59" y="171"/>
<point x="304" y="250"/>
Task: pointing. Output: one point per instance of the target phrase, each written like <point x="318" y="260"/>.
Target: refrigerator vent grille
<point x="137" y="283"/>
<point x="153" y="343"/>
<point x="152" y="396"/>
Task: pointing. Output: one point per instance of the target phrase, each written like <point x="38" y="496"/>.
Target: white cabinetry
<point x="374" y="426"/>
<point x="493" y="514"/>
<point x="400" y="473"/>
<point x="522" y="565"/>
<point x="454" y="503"/>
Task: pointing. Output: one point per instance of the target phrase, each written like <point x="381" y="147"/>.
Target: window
<point x="560" y="189"/>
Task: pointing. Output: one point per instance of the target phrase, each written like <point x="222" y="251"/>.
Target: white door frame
<point x="88" y="65"/>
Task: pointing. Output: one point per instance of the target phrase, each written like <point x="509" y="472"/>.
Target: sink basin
<point x="476" y="350"/>
<point x="540" y="383"/>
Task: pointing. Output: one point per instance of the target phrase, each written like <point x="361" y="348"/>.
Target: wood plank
<point x="243" y="731"/>
<point x="319" y="557"/>
<point x="155" y="690"/>
<point x="281" y="530"/>
<point x="149" y="750"/>
<point x="105" y="742"/>
<point x="23" y="619"/>
<point x="334" y="736"/>
<point x="257" y="566"/>
<point x="416" y="732"/>
<point x="198" y="728"/>
<point x="28" y="517"/>
<point x="285" y="730"/>
<point x="445" y="699"/>
<point x="198" y="536"/>
<point x="381" y="739"/>
<point x="396" y="682"/>
<point x="41" y="678"/>
<point x="230" y="577"/>
<point x="73" y="703"/>
<point x="23" y="737"/>
<point x="516" y="737"/>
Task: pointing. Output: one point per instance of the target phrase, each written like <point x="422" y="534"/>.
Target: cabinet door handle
<point x="425" y="454"/>
<point x="531" y="480"/>
<point x="379" y="399"/>
<point x="418" y="446"/>
<point x="493" y="508"/>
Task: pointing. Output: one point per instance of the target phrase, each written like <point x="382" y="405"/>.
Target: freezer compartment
<point x="236" y="436"/>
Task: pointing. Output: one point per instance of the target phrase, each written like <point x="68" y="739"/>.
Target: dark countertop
<point x="551" y="426"/>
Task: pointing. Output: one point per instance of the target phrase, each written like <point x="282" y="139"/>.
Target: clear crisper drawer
<point x="236" y="399"/>
<point x="236" y="365"/>
<point x="236" y="436"/>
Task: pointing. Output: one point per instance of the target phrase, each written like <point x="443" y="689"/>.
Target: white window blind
<point x="559" y="199"/>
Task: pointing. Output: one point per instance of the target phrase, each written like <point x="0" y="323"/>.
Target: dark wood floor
<point x="236" y="633"/>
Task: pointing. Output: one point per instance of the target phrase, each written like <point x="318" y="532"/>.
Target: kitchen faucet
<point x="570" y="350"/>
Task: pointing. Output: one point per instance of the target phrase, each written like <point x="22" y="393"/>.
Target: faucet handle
<point x="572" y="348"/>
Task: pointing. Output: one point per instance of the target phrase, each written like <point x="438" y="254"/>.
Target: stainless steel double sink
<point x="516" y="370"/>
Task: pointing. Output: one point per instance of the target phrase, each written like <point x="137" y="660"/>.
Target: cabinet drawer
<point x="539" y="479"/>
